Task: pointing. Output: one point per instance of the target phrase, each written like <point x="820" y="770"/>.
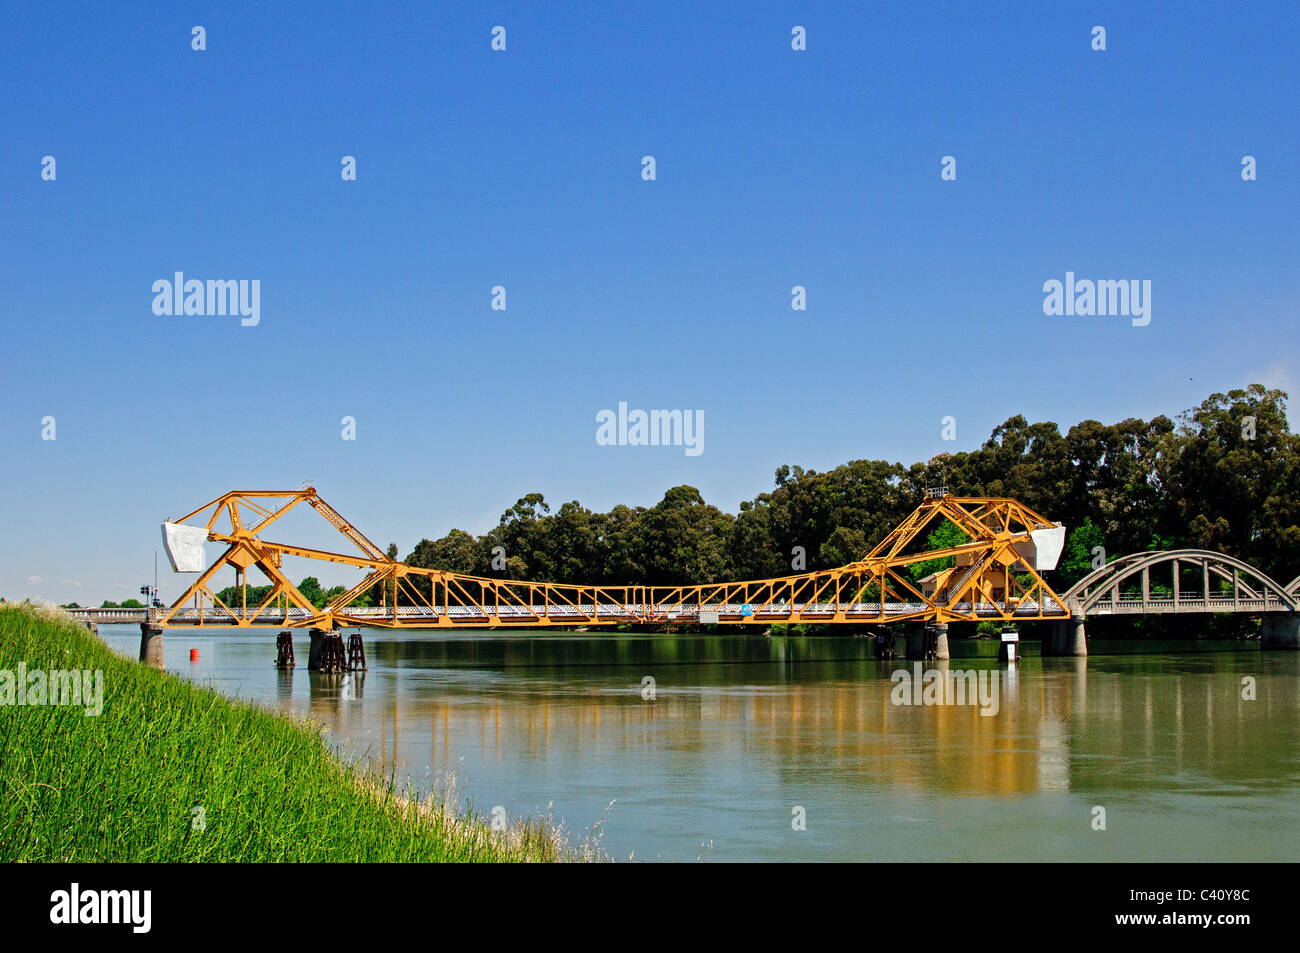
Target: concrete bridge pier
<point x="151" y="644"/>
<point x="941" y="640"/>
<point x="1281" y="631"/>
<point x="1066" y="638"/>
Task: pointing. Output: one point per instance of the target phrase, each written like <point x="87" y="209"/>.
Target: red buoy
<point x="194" y="655"/>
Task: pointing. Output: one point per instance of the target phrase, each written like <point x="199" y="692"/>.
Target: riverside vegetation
<point x="170" y="771"/>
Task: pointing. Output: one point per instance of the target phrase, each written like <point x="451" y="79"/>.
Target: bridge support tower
<point x="1281" y="631"/>
<point x="151" y="644"/>
<point x="1066" y="638"/>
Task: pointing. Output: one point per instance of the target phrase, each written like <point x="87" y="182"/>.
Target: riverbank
<point x="167" y="771"/>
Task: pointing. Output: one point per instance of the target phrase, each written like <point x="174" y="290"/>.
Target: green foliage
<point x="1227" y="492"/>
<point x="1077" y="557"/>
<point x="309" y="587"/>
<point x="1159" y="543"/>
<point x="456" y="552"/>
<point x="946" y="535"/>
<point x="253" y="595"/>
<point x="320" y="598"/>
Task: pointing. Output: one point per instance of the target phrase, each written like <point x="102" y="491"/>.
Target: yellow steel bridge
<point x="996" y="577"/>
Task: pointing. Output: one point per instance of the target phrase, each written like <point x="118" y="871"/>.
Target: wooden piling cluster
<point x="284" y="650"/>
<point x="885" y="646"/>
<point x="333" y="657"/>
<point x="356" y="653"/>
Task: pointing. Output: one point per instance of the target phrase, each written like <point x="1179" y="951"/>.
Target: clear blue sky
<point x="523" y="169"/>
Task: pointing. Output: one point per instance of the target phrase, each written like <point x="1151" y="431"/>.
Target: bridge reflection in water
<point x="740" y="730"/>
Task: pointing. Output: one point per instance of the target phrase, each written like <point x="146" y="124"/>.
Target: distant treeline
<point x="309" y="587"/>
<point x="1223" y="476"/>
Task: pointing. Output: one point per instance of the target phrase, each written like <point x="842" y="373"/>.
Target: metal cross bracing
<point x="870" y="590"/>
<point x="994" y="578"/>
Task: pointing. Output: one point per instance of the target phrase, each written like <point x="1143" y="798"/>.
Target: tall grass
<point x="123" y="786"/>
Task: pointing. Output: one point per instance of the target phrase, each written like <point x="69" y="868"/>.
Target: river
<point x="750" y="748"/>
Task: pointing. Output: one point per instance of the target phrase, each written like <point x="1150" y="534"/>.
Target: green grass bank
<point x="169" y="771"/>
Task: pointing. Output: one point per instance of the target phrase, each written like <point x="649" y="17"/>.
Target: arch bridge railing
<point x="109" y="615"/>
<point x="1158" y="582"/>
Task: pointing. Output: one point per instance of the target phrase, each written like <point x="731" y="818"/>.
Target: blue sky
<point x="522" y="168"/>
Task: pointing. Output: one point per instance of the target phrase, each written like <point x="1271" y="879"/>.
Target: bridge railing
<point x="630" y="612"/>
<point x="1136" y="584"/>
<point x="108" y="615"/>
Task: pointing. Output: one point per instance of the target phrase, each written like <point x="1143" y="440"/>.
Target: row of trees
<point x="309" y="587"/>
<point x="106" y="604"/>
<point x="1223" y="476"/>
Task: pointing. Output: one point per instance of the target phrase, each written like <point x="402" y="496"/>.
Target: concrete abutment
<point x="1066" y="638"/>
<point x="151" y="644"/>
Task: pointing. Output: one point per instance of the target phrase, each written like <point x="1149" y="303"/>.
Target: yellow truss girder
<point x="872" y="589"/>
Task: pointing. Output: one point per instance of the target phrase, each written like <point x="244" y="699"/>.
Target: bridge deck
<point x="614" y="613"/>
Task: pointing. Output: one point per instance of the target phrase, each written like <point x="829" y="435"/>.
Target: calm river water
<point x="745" y="735"/>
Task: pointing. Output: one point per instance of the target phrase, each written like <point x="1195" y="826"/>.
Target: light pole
<point x="150" y="594"/>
